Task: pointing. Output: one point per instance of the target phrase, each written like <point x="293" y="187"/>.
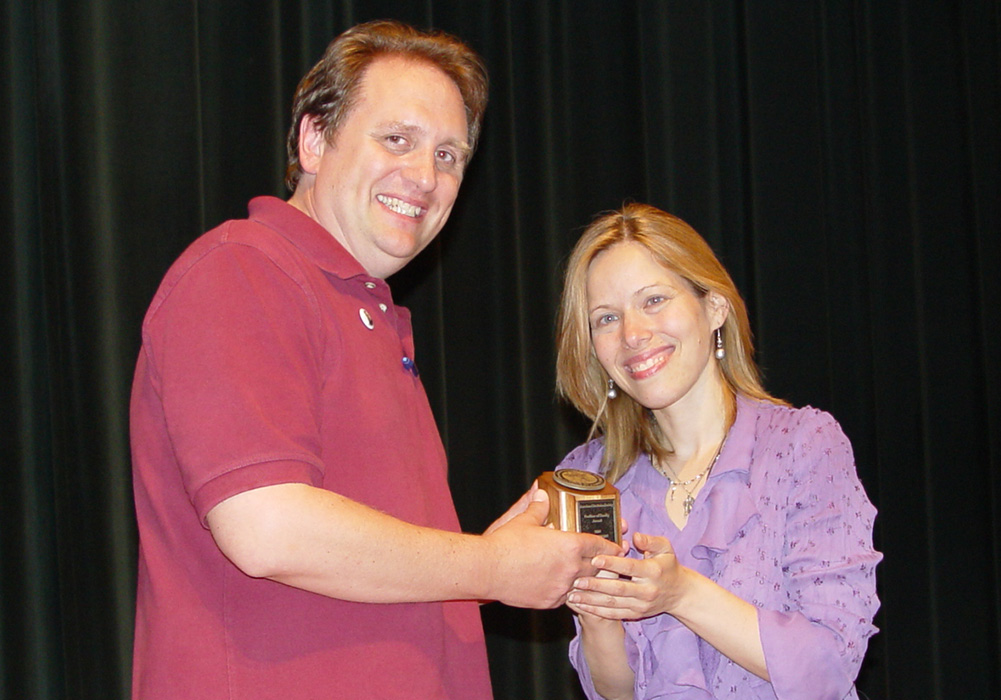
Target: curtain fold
<point x="842" y="157"/>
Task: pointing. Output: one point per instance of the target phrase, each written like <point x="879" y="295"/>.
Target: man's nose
<point x="422" y="170"/>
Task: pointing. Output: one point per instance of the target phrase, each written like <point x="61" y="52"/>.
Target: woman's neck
<point x="697" y="427"/>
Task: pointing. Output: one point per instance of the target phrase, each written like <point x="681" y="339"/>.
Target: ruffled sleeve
<point x="814" y="643"/>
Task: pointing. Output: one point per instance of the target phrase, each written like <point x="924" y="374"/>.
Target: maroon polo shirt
<point x="269" y="356"/>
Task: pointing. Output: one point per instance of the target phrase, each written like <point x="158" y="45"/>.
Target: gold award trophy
<point x="580" y="501"/>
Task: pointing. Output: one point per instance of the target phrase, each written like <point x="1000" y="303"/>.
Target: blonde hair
<point x="628" y="427"/>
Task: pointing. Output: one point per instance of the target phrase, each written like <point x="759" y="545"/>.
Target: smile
<point x="647" y="367"/>
<point x="400" y="207"/>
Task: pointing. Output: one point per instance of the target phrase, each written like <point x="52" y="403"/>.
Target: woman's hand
<point x="640" y="588"/>
<point x="603" y="644"/>
<point x="659" y="584"/>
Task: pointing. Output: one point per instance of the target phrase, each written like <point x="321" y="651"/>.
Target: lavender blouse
<point x="784" y="523"/>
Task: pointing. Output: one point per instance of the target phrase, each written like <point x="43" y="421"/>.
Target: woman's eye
<point x="656" y="299"/>
<point x="604" y="320"/>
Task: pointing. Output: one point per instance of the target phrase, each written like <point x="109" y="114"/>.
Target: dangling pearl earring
<point x="720" y="350"/>
<point x="612" y="393"/>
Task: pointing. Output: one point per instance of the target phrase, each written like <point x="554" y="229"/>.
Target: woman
<point x="752" y="573"/>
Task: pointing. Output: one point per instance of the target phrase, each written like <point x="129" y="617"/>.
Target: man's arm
<point x="319" y="541"/>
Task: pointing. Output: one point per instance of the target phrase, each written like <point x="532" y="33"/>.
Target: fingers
<point x="652" y="545"/>
<point x="533" y="506"/>
<point x="598" y="547"/>
<point x="642" y="587"/>
<point x="590" y="620"/>
<point x="539" y="564"/>
<point x="603" y="585"/>
<point x="538" y="507"/>
<point x="614" y="559"/>
<point x="603" y="604"/>
<point x="517" y="508"/>
<point x="621" y="566"/>
<point x="602" y="612"/>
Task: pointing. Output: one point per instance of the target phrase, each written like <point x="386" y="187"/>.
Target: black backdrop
<point x="842" y="157"/>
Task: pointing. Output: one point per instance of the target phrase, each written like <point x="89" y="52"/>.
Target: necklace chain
<point x="673" y="478"/>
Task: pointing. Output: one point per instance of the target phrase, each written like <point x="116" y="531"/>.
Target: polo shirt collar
<point x="308" y="236"/>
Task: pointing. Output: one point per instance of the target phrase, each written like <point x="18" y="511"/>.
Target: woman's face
<point x="650" y="331"/>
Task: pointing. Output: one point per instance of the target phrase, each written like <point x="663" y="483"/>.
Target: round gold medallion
<point x="578" y="479"/>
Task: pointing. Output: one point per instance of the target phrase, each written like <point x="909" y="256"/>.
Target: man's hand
<point x="535" y="566"/>
<point x="517" y="508"/>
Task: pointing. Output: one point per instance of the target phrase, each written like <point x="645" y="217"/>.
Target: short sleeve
<point x="233" y="349"/>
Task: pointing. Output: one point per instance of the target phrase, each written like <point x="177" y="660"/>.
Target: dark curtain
<point x="841" y="156"/>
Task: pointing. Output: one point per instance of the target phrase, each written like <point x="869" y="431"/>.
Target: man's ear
<point x="312" y="144"/>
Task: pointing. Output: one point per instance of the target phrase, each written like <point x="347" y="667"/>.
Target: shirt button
<point x="383" y="307"/>
<point x="370" y="285"/>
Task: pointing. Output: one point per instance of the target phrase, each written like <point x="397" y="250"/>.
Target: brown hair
<point x="628" y="427"/>
<point x="330" y="89"/>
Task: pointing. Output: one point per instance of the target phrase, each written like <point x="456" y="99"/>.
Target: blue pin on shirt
<point x="410" y="366"/>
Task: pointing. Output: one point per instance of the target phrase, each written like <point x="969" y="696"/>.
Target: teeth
<point x="642" y="366"/>
<point x="399" y="206"/>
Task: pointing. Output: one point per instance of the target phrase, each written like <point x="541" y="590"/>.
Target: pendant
<point x="689" y="502"/>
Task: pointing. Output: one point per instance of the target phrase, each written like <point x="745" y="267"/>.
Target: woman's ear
<point x="719" y="308"/>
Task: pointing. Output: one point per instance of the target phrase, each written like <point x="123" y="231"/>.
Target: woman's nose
<point x="635" y="329"/>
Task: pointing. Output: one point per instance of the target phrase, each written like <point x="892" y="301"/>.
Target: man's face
<point x="386" y="184"/>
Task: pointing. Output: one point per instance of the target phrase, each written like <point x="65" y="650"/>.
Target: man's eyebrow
<point x="405" y="127"/>
<point x="465" y="151"/>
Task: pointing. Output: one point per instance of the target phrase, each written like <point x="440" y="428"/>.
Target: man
<point x="298" y="539"/>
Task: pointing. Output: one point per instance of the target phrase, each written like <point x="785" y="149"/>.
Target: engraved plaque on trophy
<point x="580" y="501"/>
